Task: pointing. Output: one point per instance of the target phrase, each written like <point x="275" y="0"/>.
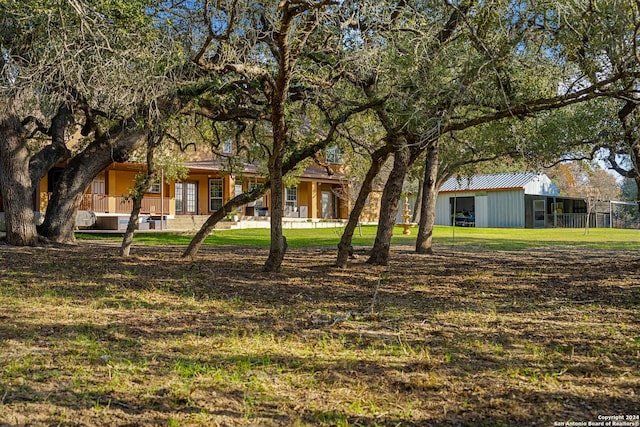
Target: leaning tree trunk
<point x="207" y="228"/>
<point x="127" y="239"/>
<point x="345" y="248"/>
<point x="15" y="183"/>
<point x="428" y="202"/>
<point x="141" y="187"/>
<point x="389" y="205"/>
<point x="218" y="215"/>
<point x="244" y="198"/>
<point x="59" y="222"/>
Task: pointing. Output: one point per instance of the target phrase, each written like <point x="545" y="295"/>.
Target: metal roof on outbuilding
<point x="531" y="182"/>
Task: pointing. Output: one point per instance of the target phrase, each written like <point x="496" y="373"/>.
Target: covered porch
<point x="566" y="212"/>
<point x="106" y="204"/>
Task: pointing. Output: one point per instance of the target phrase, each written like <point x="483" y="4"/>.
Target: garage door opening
<point x="463" y="211"/>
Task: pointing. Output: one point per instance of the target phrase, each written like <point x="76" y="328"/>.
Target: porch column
<point x="110" y="180"/>
<point x="313" y="199"/>
<point x="229" y="189"/>
<point x="171" y="195"/>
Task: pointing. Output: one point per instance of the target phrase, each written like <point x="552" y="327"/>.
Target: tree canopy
<point x="464" y="80"/>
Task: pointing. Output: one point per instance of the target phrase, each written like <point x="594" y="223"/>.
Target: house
<point x="516" y="200"/>
<point x="316" y="195"/>
<point x="186" y="204"/>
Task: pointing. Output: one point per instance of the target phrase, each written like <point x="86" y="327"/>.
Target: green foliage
<point x="629" y="190"/>
<point x="108" y="53"/>
<point x="140" y="187"/>
<point x="127" y="14"/>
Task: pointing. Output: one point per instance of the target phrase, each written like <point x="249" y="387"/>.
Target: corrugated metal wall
<point x="506" y="209"/>
<point x="443" y="214"/>
<point x="482" y="210"/>
<point x="493" y="209"/>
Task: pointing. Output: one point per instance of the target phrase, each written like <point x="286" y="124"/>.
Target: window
<point x="179" y="197"/>
<point x="191" y="194"/>
<point x="215" y="194"/>
<point x="155" y="186"/>
<point x="333" y="155"/>
<point x="186" y="197"/>
<point x="291" y="199"/>
<point x="98" y="185"/>
<point x="227" y="147"/>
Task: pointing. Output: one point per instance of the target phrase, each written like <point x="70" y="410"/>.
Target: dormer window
<point x="227" y="147"/>
<point x="333" y="155"/>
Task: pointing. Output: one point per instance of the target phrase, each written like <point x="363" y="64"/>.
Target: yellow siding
<point x="120" y="182"/>
<point x="305" y="197"/>
<point x="120" y="178"/>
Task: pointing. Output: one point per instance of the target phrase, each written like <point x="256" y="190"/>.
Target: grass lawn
<point x="463" y="237"/>
<point x="540" y="329"/>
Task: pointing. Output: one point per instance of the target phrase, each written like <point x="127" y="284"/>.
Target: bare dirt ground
<point x="461" y="338"/>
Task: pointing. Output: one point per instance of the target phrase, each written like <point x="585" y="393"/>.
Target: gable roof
<point x="218" y="165"/>
<point x="531" y="182"/>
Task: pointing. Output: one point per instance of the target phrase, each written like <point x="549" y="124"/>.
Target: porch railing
<point x="100" y="203"/>
<point x="578" y="220"/>
<point x="150" y="205"/>
<point x="95" y="203"/>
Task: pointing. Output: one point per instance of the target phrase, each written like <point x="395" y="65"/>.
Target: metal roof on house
<point x="503" y="181"/>
<point x="218" y="165"/>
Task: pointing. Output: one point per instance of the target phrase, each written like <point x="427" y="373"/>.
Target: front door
<point x="326" y="204"/>
<point x="539" y="212"/>
<point x="186" y="198"/>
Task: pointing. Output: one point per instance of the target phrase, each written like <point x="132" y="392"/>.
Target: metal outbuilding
<point x="515" y="200"/>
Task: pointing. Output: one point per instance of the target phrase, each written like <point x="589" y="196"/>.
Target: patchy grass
<point x="503" y="239"/>
<point x="510" y="239"/>
<point x="465" y="337"/>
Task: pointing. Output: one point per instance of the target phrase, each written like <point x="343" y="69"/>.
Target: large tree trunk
<point x="278" y="246"/>
<point x="278" y="102"/>
<point x="56" y="152"/>
<point x="389" y="205"/>
<point x="428" y="202"/>
<point x="15" y="183"/>
<point x="345" y="248"/>
<point x="59" y="222"/>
